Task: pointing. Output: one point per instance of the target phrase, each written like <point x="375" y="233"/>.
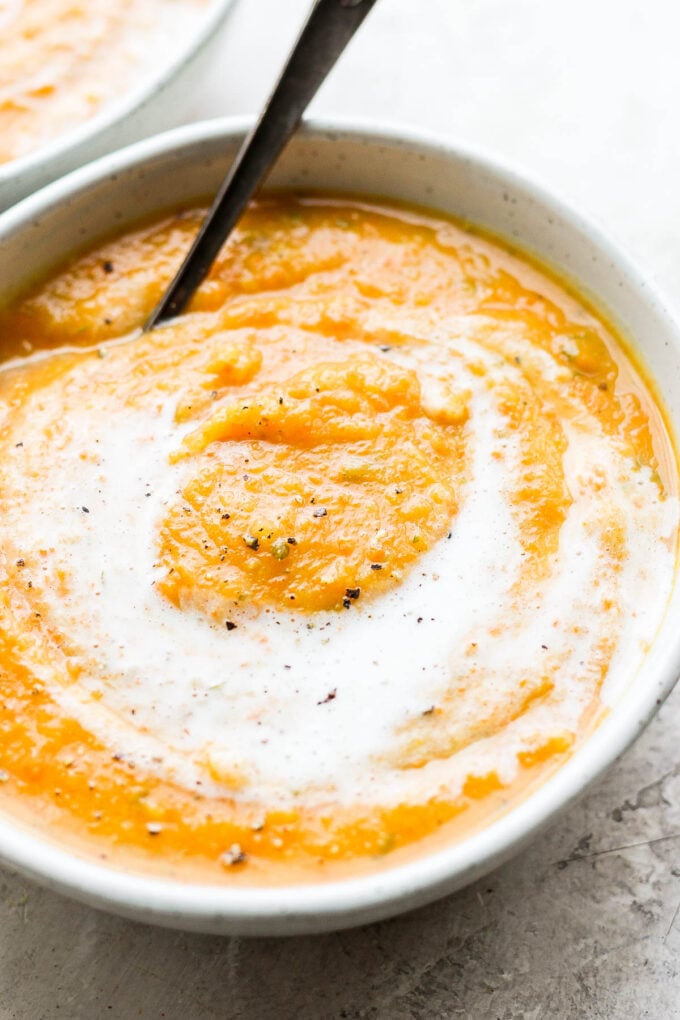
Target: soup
<point x="61" y="62"/>
<point x="334" y="568"/>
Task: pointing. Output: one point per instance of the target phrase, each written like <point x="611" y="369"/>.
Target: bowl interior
<point x="187" y="165"/>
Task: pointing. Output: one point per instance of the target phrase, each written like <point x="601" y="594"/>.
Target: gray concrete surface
<point x="586" y="923"/>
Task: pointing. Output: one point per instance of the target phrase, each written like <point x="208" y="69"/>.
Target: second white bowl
<point x="161" y="98"/>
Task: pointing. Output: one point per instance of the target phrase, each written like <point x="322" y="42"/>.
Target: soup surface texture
<point x="61" y="61"/>
<point x="338" y="565"/>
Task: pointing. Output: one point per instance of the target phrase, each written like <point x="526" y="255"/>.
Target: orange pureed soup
<point x="62" y="60"/>
<point x="331" y="570"/>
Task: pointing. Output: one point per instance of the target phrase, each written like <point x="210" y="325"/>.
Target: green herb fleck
<point x="280" y="549"/>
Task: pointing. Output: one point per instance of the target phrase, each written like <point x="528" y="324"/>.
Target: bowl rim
<point x="113" y="113"/>
<point x="323" y="906"/>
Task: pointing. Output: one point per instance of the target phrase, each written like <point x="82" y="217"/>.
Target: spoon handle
<point x="330" y="26"/>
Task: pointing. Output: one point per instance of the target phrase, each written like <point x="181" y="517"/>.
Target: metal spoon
<point x="330" y="26"/>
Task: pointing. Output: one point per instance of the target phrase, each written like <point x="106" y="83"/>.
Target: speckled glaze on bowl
<point x="161" y="99"/>
<point x="187" y="164"/>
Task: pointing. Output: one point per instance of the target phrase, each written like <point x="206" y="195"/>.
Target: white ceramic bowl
<point x="160" y="99"/>
<point x="187" y="164"/>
